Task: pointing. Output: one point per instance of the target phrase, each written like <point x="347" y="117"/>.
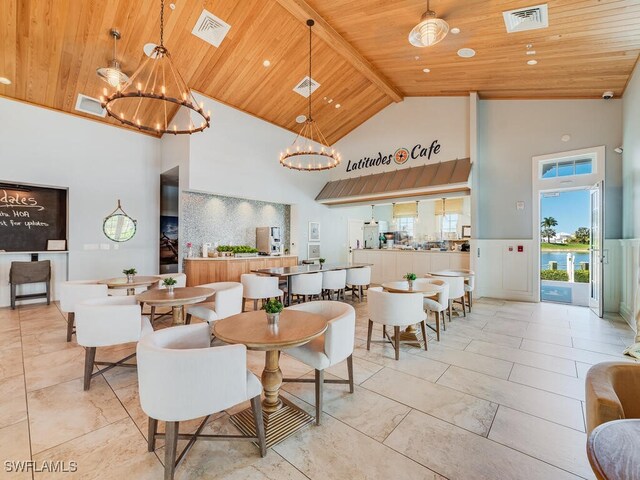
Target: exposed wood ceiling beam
<point x="303" y="11"/>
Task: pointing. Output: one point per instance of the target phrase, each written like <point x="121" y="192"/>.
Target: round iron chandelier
<point x="302" y="155"/>
<point x="148" y="100"/>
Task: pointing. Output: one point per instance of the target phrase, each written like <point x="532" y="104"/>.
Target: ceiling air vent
<point x="210" y="28"/>
<point x="90" y="105"/>
<point x="302" y="88"/>
<point x="529" y="18"/>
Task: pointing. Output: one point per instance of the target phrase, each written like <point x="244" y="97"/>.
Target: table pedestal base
<point x="278" y="425"/>
<point x="177" y="312"/>
<point x="411" y="336"/>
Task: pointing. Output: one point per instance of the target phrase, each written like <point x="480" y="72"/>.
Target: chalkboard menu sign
<point x="30" y="216"/>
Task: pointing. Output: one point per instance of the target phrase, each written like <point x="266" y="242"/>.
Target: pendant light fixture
<point x="148" y="100"/>
<point x="302" y="155"/>
<point x="112" y="74"/>
<point x="429" y="31"/>
<point x="373" y="220"/>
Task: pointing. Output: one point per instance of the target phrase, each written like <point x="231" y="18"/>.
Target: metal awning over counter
<point x="432" y="179"/>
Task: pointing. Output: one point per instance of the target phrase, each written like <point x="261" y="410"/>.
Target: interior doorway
<point x="355" y="236"/>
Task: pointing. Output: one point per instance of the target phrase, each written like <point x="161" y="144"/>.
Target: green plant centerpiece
<point x="237" y="250"/>
<point x="170" y="284"/>
<point x="273" y="307"/>
<point x="130" y="273"/>
<point x="410" y="277"/>
<point x="322" y="260"/>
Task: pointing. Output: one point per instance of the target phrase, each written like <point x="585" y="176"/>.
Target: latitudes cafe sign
<point x="399" y="156"/>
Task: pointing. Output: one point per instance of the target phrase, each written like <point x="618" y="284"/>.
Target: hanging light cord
<point x="310" y="26"/>
<point x="162" y="23"/>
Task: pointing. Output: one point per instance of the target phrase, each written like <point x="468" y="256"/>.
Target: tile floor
<point x="500" y="397"/>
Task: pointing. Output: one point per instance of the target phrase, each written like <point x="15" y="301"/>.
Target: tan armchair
<point x="612" y="393"/>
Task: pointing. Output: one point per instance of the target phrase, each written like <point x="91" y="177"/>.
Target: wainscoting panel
<point x="629" y="262"/>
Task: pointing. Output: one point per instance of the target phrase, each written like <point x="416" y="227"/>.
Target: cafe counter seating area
<point x="319" y="239"/>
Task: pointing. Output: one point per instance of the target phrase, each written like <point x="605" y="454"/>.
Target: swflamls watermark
<point x="54" y="466"/>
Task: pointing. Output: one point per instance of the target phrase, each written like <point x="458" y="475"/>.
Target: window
<point x="566" y="168"/>
<point x="405" y="224"/>
<point x="450" y="223"/>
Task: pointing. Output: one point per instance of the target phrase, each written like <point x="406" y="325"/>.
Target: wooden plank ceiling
<point x="50" y="50"/>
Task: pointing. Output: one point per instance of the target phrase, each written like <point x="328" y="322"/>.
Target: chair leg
<point x="319" y="384"/>
<point x="71" y="320"/>
<point x="89" y="358"/>
<point x="444" y="321"/>
<point x="464" y="308"/>
<point x="424" y="333"/>
<point x="396" y="333"/>
<point x="437" y="315"/>
<point x="350" y="370"/>
<point x="255" y="304"/>
<point x="370" y="330"/>
<point x="361" y="294"/>
<point x="187" y="320"/>
<point x="470" y="301"/>
<point x="151" y="434"/>
<point x="450" y="309"/>
<point x="170" y="448"/>
<point x="384" y="332"/>
<point x="48" y="289"/>
<point x="256" y="406"/>
<point x="153" y="314"/>
<point x="13" y="296"/>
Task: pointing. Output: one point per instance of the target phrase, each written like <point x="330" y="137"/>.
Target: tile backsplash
<point x="228" y="220"/>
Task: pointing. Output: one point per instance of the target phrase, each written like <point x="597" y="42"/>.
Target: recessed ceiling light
<point x="532" y="62"/>
<point x="531" y="52"/>
<point x="338" y="105"/>
<point x="426" y="70"/>
<point x="301" y="118"/>
<point x="455" y="30"/>
<point x="148" y="49"/>
<point x="172" y="6"/>
<point x="466" y="52"/>
<point x="529" y="45"/>
<point x="5" y="81"/>
<point x="417" y="57"/>
<point x="266" y="63"/>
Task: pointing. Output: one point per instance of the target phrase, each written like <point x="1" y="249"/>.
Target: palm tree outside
<point x="547" y="225"/>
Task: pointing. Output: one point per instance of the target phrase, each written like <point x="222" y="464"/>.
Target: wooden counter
<point x="228" y="269"/>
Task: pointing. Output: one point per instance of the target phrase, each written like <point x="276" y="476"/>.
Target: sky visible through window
<point x="570" y="209"/>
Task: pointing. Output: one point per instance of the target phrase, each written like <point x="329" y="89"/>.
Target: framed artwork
<point x="56" y="245"/>
<point x="314" y="231"/>
<point x="466" y="231"/>
<point x="313" y="251"/>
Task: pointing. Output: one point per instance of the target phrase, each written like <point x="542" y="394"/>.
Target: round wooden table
<point x="181" y="296"/>
<point x="122" y="282"/>
<point x="295" y="328"/>
<point x="454" y="273"/>
<point x="613" y="449"/>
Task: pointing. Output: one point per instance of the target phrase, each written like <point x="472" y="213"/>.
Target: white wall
<point x="239" y="157"/>
<point x="99" y="164"/>
<point x="405" y="124"/>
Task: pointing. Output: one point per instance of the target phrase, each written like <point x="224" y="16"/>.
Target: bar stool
<point x="306" y="285"/>
<point x="75" y="292"/>
<point x="334" y="281"/>
<point x="22" y="273"/>
<point x="357" y="279"/>
<point x="259" y="287"/>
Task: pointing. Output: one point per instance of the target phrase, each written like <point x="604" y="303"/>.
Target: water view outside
<point x="561" y="258"/>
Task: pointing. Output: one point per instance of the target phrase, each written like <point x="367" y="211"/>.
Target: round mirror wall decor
<point x="118" y="226"/>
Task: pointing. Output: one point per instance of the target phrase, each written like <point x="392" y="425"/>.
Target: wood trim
<point x="392" y="196"/>
<point x="303" y="11"/>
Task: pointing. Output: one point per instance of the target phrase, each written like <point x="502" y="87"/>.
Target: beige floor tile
<point x="506" y="326"/>
<point x="11" y="360"/>
<point x="582" y="369"/>
<point x="362" y="369"/>
<point x="14" y="445"/>
<point x="46" y="341"/>
<point x="563" y="410"/>
<point x="472" y="361"/>
<point x="13" y="400"/>
<point x="9" y="336"/>
<point x="458" y="454"/>
<point x="364" y="410"/>
<point x="475" y="333"/>
<point x="466" y="411"/>
<point x="115" y="451"/>
<point x="415" y="365"/>
<point x="599" y="347"/>
<point x="551" y="382"/>
<point x="53" y="368"/>
<point x="532" y="359"/>
<point x="64" y="411"/>
<point x="337" y="451"/>
<point x="571" y="353"/>
<point x="546" y="441"/>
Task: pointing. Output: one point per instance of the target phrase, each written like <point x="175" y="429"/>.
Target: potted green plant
<point x="273" y="307"/>
<point x="322" y="260"/>
<point x="130" y="273"/>
<point x="170" y="284"/>
<point x="410" y="277"/>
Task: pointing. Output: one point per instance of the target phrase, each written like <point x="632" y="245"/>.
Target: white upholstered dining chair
<point x="331" y="348"/>
<point x="357" y="280"/>
<point x="306" y="285"/>
<point x="438" y="305"/>
<point x="456" y="292"/>
<point x="226" y="301"/>
<point x="334" y="281"/>
<point x="181" y="378"/>
<point x="73" y="293"/>
<point x="396" y="310"/>
<point x="104" y="322"/>
<point x="259" y="287"/>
